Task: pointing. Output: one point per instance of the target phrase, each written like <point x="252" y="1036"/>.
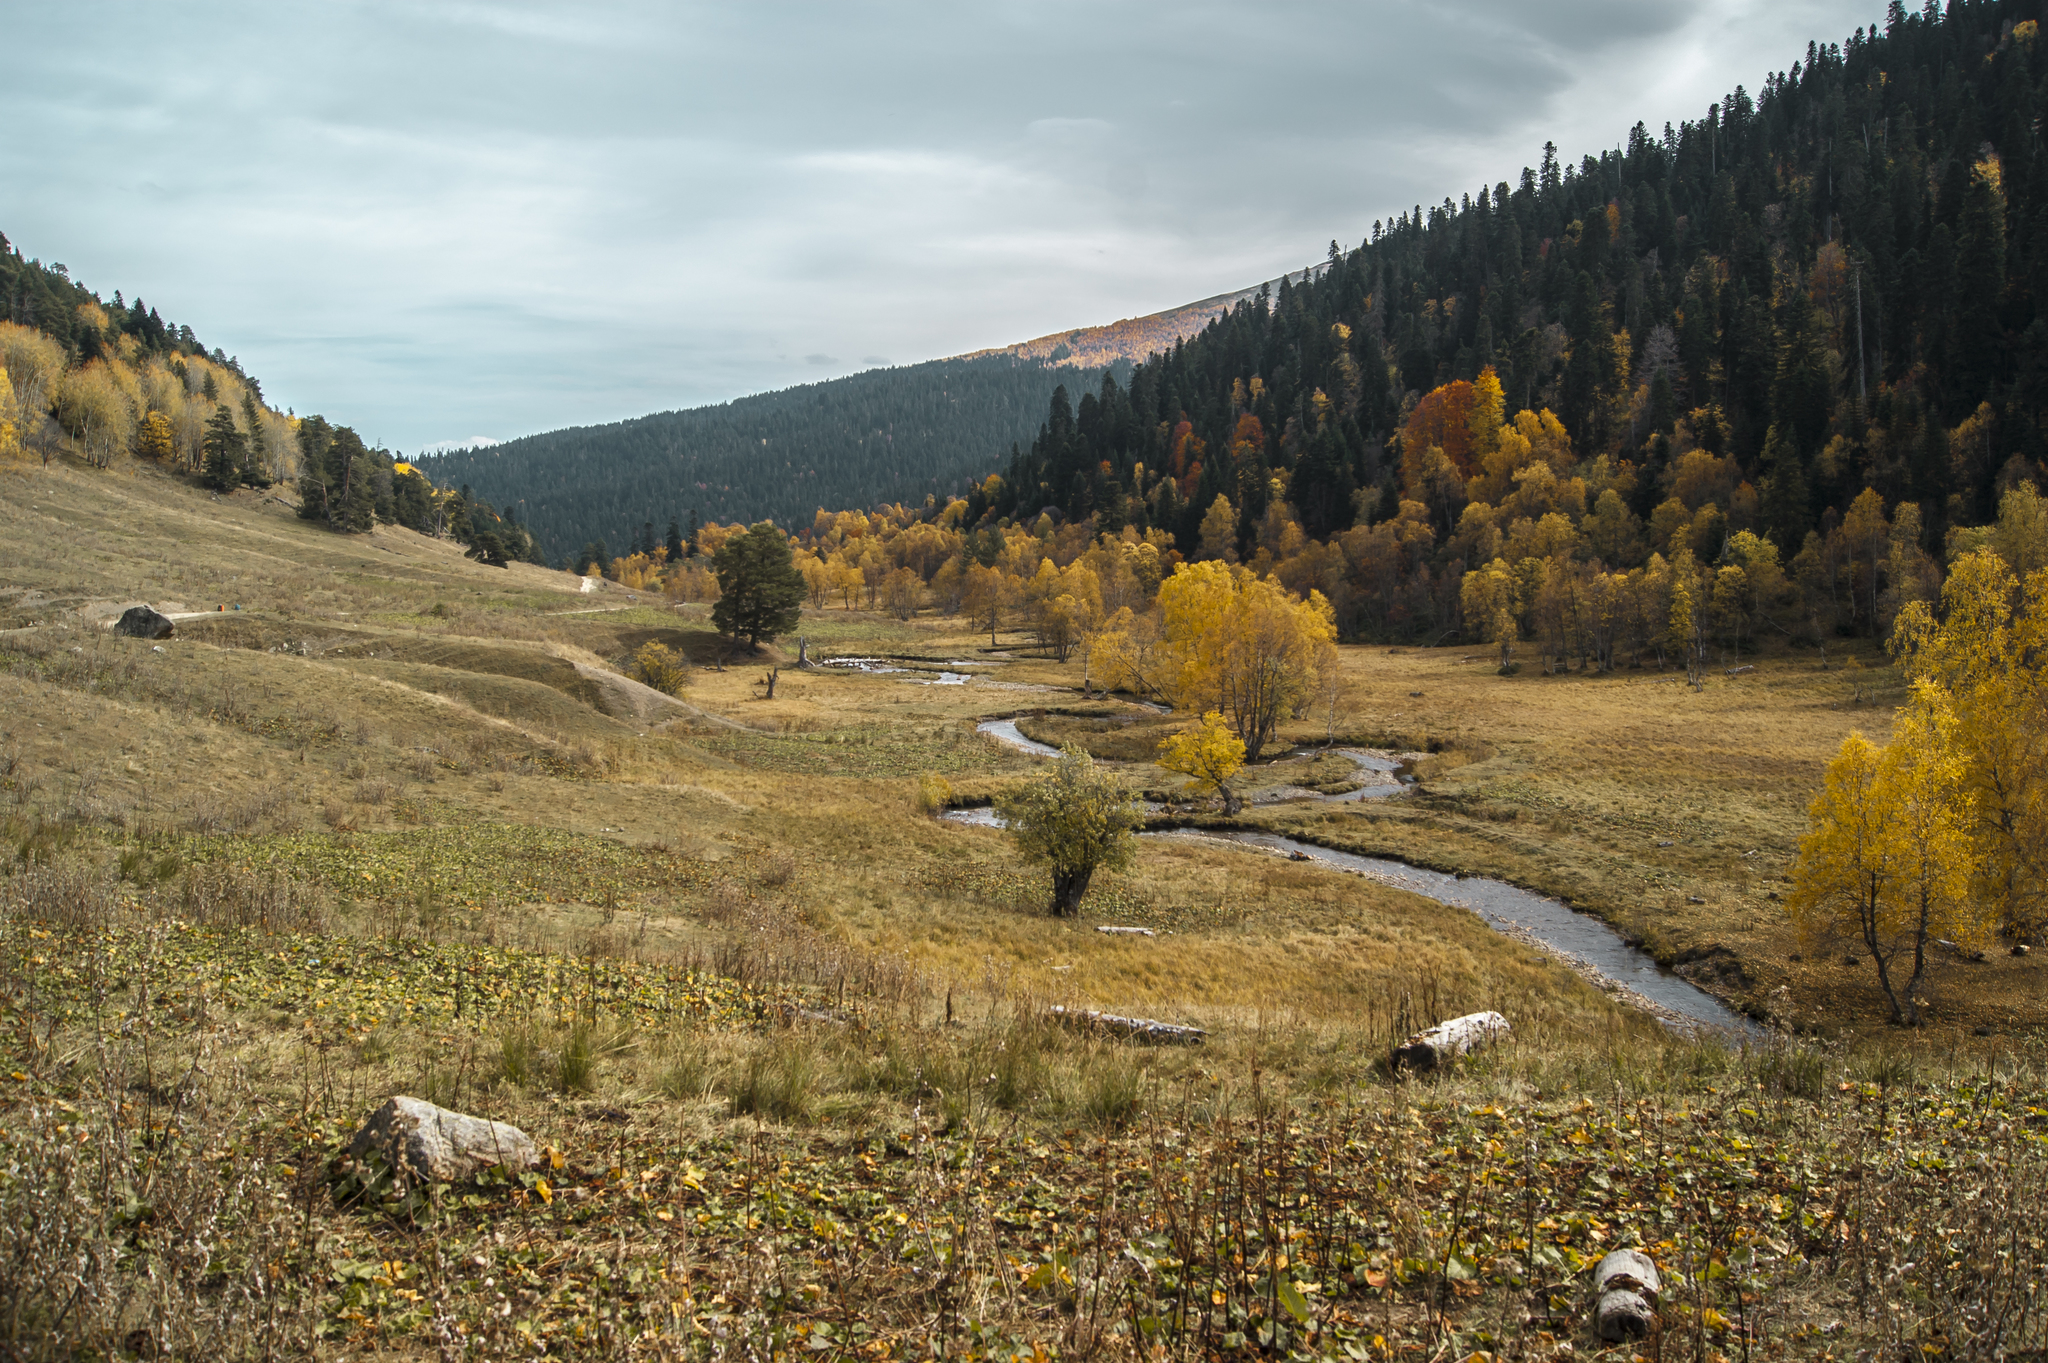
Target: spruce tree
<point x="314" y="438"/>
<point x="1787" y="495"/>
<point x="761" y="591"/>
<point x="223" y="448"/>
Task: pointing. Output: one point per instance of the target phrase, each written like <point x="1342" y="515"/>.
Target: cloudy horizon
<point x="465" y="216"/>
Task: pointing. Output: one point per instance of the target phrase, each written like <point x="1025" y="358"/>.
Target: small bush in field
<point x="934" y="793"/>
<point x="661" y="667"/>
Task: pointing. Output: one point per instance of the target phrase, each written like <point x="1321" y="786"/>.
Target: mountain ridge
<point x="890" y="434"/>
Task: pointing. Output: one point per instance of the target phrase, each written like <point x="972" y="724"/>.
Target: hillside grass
<point x="401" y="825"/>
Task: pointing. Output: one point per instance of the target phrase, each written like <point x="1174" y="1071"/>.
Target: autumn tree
<point x="1987" y="654"/>
<point x="1074" y="820"/>
<point x="1219" y="531"/>
<point x="95" y="412"/>
<point x="1208" y="754"/>
<point x="1887" y="854"/>
<point x="154" y="439"/>
<point x="1489" y="598"/>
<point x="10" y="419"/>
<point x="990" y="591"/>
<point x="1243" y="646"/>
<point x="761" y="594"/>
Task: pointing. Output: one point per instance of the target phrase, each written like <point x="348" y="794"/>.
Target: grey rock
<point x="1625" y="1289"/>
<point x="441" y="1146"/>
<point x="140" y="622"/>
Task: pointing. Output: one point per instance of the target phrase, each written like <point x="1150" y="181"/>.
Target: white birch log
<point x="1137" y="1029"/>
<point x="1446" y="1041"/>
<point x="1117" y="931"/>
<point x="1625" y="1289"/>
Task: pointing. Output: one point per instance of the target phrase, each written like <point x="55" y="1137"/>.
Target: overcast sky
<point x="445" y="218"/>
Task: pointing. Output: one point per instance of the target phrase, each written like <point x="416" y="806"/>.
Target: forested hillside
<point x="1812" y="315"/>
<point x="98" y="378"/>
<point x="95" y="380"/>
<point x="884" y="435"/>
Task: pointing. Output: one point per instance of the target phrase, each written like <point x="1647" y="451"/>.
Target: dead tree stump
<point x="1625" y="1296"/>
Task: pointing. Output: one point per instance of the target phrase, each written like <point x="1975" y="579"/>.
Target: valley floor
<point x="380" y="819"/>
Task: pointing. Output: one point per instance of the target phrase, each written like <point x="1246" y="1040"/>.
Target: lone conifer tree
<point x="761" y="593"/>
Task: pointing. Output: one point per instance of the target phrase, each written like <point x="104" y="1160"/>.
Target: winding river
<point x="1512" y="910"/>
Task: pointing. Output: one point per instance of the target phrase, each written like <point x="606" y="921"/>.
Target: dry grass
<point x="733" y="943"/>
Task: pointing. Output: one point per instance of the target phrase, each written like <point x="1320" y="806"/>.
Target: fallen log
<point x="1625" y="1296"/>
<point x="1445" y="1042"/>
<point x="1115" y="930"/>
<point x="1136" y="1029"/>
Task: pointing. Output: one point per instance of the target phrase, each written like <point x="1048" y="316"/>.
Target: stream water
<point x="1510" y="909"/>
<point x="1516" y="911"/>
<point x="1005" y="731"/>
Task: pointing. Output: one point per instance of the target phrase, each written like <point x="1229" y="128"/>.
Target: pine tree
<point x="224" y="451"/>
<point x="252" y="471"/>
<point x="315" y="436"/>
<point x="1786" y="493"/>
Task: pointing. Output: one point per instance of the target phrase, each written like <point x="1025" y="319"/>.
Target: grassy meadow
<point x="402" y="823"/>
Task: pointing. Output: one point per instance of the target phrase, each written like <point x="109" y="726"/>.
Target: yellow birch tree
<point x="1208" y="754"/>
<point x="1243" y="646"/>
<point x="1988" y="655"/>
<point x="1887" y="854"/>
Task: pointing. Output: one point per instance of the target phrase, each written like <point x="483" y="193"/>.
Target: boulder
<point x="441" y="1146"/>
<point x="140" y="622"/>
<point x="1625" y="1296"/>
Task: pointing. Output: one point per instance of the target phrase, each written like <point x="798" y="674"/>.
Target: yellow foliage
<point x="33" y="363"/>
<point x="1243" y="646"/>
<point x="1887" y="857"/>
<point x="1219" y="531"/>
<point x="934" y="793"/>
<point x="1208" y="754"/>
<point x="10" y="420"/>
<point x="153" y="440"/>
<point x="637" y="572"/>
<point x="661" y="667"/>
<point x="2021" y="536"/>
<point x="1987" y="661"/>
<point x="1488" y="404"/>
<point x="1493" y="603"/>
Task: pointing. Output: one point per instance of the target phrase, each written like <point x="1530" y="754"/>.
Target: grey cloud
<point x="436" y="218"/>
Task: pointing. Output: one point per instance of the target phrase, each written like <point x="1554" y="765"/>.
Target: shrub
<point x="661" y="667"/>
<point x="934" y="793"/>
